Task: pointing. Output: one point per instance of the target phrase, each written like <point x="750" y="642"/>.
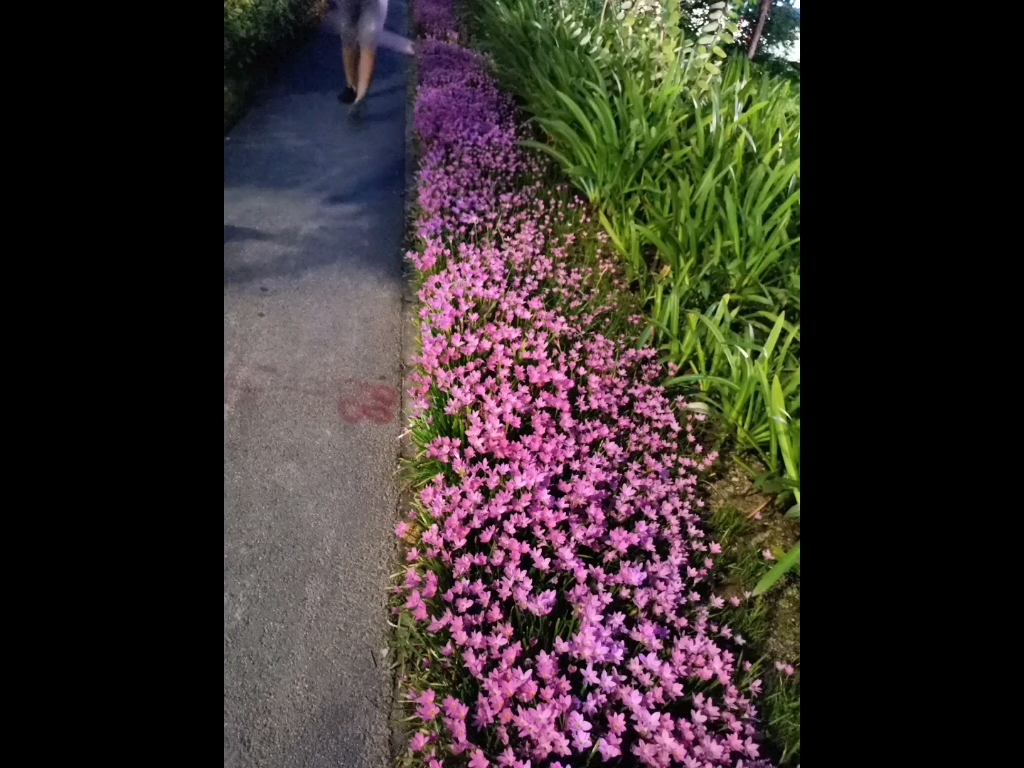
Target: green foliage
<point x="780" y="31"/>
<point x="742" y="380"/>
<point x="782" y="710"/>
<point x="252" y="27"/>
<point x="768" y="622"/>
<point x="694" y="168"/>
<point x="789" y="561"/>
<point x="779" y="68"/>
<point x="781" y="28"/>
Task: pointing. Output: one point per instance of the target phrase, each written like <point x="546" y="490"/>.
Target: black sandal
<point x="348" y="95"/>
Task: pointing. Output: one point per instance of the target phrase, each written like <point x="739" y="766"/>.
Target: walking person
<point x="361" y="24"/>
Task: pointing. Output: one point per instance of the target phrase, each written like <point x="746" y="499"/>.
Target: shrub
<point x="254" y="29"/>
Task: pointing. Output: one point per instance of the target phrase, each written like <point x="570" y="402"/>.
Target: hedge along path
<point x="313" y="227"/>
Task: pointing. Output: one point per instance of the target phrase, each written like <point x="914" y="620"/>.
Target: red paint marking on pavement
<point x="359" y="402"/>
<point x="371" y="401"/>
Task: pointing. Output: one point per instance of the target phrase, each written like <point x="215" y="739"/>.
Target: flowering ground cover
<point x="554" y="608"/>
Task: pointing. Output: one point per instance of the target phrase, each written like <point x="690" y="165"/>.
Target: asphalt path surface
<point x="313" y="229"/>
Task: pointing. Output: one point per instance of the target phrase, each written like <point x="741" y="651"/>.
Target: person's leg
<point x="348" y="27"/>
<point x="367" y="64"/>
<point x="350" y="56"/>
<point x="371" y="22"/>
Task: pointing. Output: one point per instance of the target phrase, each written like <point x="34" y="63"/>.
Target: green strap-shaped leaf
<point x="778" y="405"/>
<point x="580" y="116"/>
<point x="669" y="383"/>
<point x="781" y="568"/>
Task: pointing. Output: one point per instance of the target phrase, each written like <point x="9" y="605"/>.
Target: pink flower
<point x="426" y="710"/>
<point x="787" y="668"/>
<point x="401" y="529"/>
<point x="767" y="554"/>
<point x="568" y="489"/>
<point x="581" y="741"/>
<point x="575" y="722"/>
<point x="607" y="749"/>
<point x="431" y="587"/>
<point x="617" y="723"/>
<point x="419" y="741"/>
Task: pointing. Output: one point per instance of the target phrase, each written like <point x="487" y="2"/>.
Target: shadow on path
<point x="305" y="187"/>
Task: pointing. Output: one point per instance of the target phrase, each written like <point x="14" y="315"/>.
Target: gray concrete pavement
<point x="313" y="227"/>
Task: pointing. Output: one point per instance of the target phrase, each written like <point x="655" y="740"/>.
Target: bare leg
<point x="350" y="57"/>
<point x="367" y="62"/>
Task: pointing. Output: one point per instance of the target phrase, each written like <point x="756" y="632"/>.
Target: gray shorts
<point x="361" y="21"/>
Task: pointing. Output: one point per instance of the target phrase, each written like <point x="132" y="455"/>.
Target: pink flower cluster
<point x="560" y="565"/>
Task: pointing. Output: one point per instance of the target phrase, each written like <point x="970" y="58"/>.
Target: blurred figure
<point x="361" y="25"/>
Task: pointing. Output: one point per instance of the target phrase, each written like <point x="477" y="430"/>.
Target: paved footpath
<point x="313" y="228"/>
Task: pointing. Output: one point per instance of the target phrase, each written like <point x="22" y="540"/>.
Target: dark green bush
<point x="778" y="67"/>
<point x="254" y="29"/>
